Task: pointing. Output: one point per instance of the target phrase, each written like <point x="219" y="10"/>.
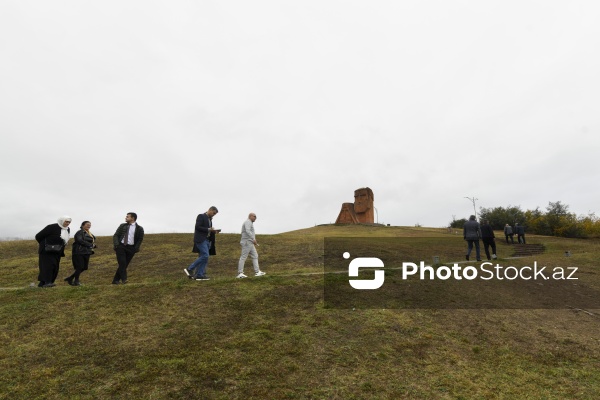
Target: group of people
<point x="519" y="230"/>
<point x="204" y="245"/>
<point x="129" y="235"/>
<point x="472" y="232"/>
<point x="53" y="239"/>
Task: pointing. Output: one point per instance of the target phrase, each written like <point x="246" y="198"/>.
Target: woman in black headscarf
<point x="52" y="241"/>
<point x="83" y="248"/>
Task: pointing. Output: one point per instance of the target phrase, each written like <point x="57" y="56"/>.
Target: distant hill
<point x="10" y="239"/>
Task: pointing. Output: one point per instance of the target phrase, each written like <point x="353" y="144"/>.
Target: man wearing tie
<point x="126" y="241"/>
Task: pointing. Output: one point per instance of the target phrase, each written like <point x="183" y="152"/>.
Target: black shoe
<point x="467" y="257"/>
<point x="76" y="283"/>
<point x="49" y="285"/>
<point x="479" y="259"/>
<point x="203" y="278"/>
<point x="69" y="280"/>
<point x="116" y="283"/>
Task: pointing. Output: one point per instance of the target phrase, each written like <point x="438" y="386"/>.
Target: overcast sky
<point x="285" y="108"/>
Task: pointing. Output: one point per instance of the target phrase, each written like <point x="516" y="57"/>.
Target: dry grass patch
<point x="165" y="337"/>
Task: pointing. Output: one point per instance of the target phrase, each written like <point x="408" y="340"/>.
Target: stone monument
<point x="359" y="212"/>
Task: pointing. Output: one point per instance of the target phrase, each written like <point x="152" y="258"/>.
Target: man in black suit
<point x="472" y="234"/>
<point x="126" y="241"/>
<point x="202" y="231"/>
<point x="520" y="231"/>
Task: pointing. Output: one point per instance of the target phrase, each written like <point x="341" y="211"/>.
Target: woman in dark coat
<point x="52" y="241"/>
<point x="83" y="248"/>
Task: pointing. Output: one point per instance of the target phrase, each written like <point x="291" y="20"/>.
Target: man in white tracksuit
<point x="248" y="243"/>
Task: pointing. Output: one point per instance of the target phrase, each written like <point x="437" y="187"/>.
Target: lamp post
<point x="472" y="199"/>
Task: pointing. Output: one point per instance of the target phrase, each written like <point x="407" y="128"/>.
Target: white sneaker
<point x="260" y="273"/>
<point x="494" y="256"/>
<point x="241" y="275"/>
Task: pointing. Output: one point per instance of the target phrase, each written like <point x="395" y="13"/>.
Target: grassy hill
<point x="163" y="336"/>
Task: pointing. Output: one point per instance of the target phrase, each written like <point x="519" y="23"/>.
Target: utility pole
<point x="472" y="199"/>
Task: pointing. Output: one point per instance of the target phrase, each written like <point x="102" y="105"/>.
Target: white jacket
<point x="248" y="232"/>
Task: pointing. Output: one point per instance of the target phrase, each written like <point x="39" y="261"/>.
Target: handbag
<point x="53" y="248"/>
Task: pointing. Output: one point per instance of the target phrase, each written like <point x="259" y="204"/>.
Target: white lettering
<point x="406" y="271"/>
<point x="558" y="275"/>
<point x="536" y="273"/>
<point x="491" y="276"/>
<point x="498" y="267"/>
<point x="521" y="273"/>
<point x="456" y="272"/>
<point x="473" y="274"/>
<point x="447" y="270"/>
<point x="428" y="269"/>
<point x="508" y="277"/>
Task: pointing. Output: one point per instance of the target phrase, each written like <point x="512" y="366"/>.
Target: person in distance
<point x="472" y="234"/>
<point x="488" y="239"/>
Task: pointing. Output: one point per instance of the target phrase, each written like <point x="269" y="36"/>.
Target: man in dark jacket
<point x="126" y="241"/>
<point x="472" y="233"/>
<point x="508" y="232"/>
<point x="202" y="231"/>
<point x="520" y="231"/>
<point x="487" y="236"/>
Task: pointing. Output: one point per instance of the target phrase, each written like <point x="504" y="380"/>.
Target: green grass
<point x="163" y="336"/>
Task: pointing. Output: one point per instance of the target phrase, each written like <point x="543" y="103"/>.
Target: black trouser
<point x="511" y="238"/>
<point x="124" y="256"/>
<point x="521" y="238"/>
<point x="80" y="263"/>
<point x="487" y="242"/>
<point x="49" y="263"/>
<point x="470" y="244"/>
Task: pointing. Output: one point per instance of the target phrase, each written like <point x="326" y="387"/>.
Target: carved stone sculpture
<point x="347" y="215"/>
<point x="359" y="212"/>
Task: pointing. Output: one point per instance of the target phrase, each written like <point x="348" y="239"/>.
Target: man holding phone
<point x="202" y="232"/>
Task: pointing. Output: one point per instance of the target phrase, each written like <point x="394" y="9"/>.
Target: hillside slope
<point x="163" y="336"/>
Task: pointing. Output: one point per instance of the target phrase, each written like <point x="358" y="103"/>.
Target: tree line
<point x="556" y="220"/>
